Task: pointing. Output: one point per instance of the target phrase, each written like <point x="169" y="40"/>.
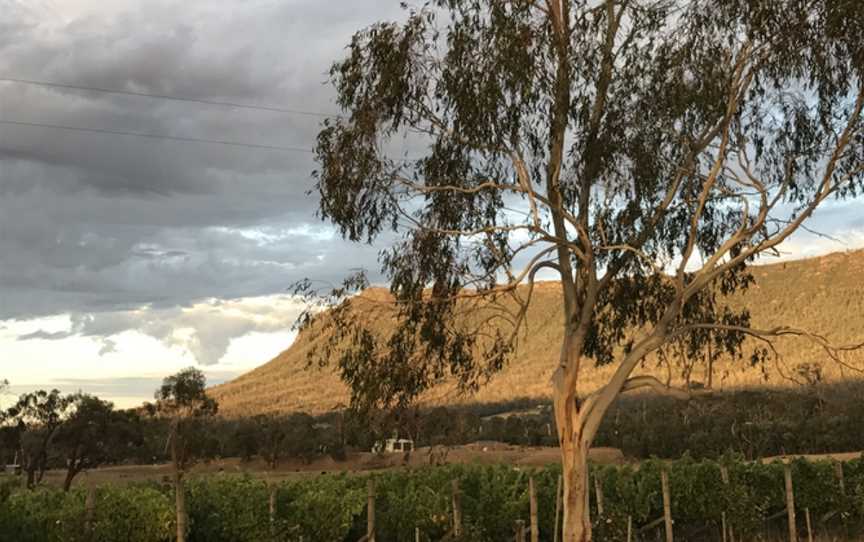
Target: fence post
<point x="587" y="501"/>
<point x="629" y="528"/>
<point x="558" y="506"/>
<point x="790" y="502"/>
<point x="809" y="527"/>
<point x="457" y="509"/>
<point x="667" y="505"/>
<point x="272" y="510"/>
<point x="89" y="509"/>
<point x="727" y="527"/>
<point x="598" y="490"/>
<point x="370" y="510"/>
<point x="838" y="471"/>
<point x="532" y="499"/>
<point x="520" y="530"/>
<point x="416" y="534"/>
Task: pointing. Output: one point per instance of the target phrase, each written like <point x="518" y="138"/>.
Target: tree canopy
<point x="644" y="150"/>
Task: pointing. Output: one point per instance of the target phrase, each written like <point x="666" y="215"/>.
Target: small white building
<point x="394" y="445"/>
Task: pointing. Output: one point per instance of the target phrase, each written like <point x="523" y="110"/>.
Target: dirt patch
<point x="483" y="452"/>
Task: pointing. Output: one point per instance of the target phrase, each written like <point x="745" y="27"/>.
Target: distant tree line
<point x="48" y="430"/>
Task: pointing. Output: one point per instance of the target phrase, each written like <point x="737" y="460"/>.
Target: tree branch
<point x="644" y="381"/>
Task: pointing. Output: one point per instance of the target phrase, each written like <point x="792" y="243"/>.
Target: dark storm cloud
<point x="93" y="222"/>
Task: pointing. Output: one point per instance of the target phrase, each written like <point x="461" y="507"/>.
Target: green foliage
<point x="228" y="509"/>
<point x="136" y="514"/>
<point x="324" y="508"/>
<point x="331" y="507"/>
<point x="8" y="484"/>
<point x="133" y="514"/>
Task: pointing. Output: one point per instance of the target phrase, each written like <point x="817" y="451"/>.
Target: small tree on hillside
<point x="646" y="151"/>
<point x="183" y="401"/>
<point x="94" y="434"/>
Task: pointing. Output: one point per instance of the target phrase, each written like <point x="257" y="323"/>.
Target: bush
<point x="134" y="514"/>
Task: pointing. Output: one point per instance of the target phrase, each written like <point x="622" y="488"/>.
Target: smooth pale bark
<point x="574" y="468"/>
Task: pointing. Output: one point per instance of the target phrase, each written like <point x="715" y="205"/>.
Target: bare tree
<point x="645" y="151"/>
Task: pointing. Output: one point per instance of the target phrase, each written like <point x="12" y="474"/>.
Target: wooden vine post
<point x="790" y="503"/>
<point x="370" y="511"/>
<point x="667" y="504"/>
<point x="532" y="500"/>
<point x="727" y="527"/>
<point x="598" y="490"/>
<point x="838" y="471"/>
<point x="457" y="509"/>
<point x="520" y="530"/>
<point x="587" y="500"/>
<point x="558" y="507"/>
<point x="89" y="509"/>
<point x="272" y="511"/>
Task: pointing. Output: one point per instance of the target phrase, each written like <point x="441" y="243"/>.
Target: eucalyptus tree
<point x="645" y="151"/>
<point x="182" y="399"/>
<point x="94" y="434"/>
<point x="37" y="417"/>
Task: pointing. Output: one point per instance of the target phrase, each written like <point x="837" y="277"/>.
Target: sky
<point x="124" y="259"/>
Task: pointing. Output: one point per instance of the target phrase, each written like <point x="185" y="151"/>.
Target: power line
<point x="155" y="136"/>
<point x="167" y="97"/>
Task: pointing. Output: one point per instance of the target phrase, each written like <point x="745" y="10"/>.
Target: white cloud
<point x="205" y="329"/>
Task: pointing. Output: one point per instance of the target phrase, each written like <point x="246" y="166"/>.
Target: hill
<point x="824" y="295"/>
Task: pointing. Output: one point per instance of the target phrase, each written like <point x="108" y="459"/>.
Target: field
<point x="480" y="453"/>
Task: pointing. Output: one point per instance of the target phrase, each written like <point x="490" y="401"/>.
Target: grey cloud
<point x="106" y="226"/>
<point x="93" y="223"/>
<point x="45" y="335"/>
<point x="108" y="346"/>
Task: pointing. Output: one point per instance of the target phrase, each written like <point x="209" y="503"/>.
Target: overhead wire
<point x="105" y="131"/>
<point x="272" y="109"/>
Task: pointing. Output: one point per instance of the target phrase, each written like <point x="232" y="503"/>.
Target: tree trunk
<point x="70" y="475"/>
<point x="574" y="466"/>
<point x="72" y="469"/>
<point x="31" y="477"/>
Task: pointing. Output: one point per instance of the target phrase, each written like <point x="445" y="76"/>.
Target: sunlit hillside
<point x="824" y="295"/>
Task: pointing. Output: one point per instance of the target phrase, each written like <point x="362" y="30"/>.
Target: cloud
<point x="128" y="391"/>
<point x="108" y="346"/>
<point x="104" y="225"/>
<point x="204" y="329"/>
<point x="96" y="223"/>
<point x="43" y="335"/>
